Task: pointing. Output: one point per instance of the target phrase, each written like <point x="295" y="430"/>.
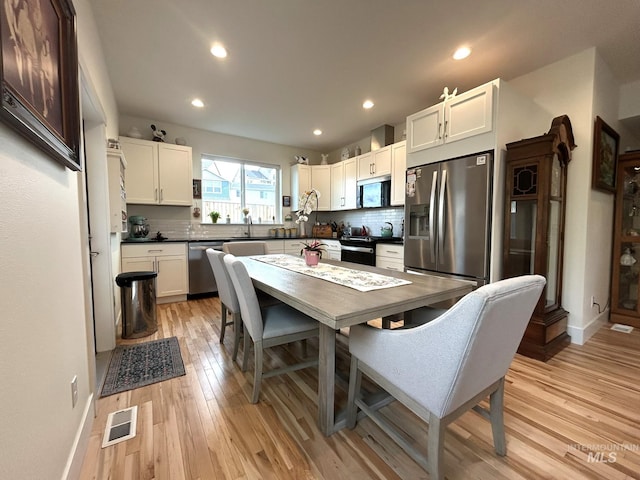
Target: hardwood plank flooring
<point x="574" y="417"/>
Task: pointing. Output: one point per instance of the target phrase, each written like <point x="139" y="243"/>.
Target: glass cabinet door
<point x="629" y="222"/>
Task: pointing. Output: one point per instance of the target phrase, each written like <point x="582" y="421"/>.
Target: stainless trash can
<point x="138" y="299"/>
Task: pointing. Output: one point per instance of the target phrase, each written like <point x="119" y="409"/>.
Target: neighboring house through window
<point x="231" y="185"/>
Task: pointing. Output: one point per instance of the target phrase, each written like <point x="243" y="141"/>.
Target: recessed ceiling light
<point x="196" y="102"/>
<point x="317" y="131"/>
<point x="367" y="104"/>
<point x="462" y="52"/>
<point x="218" y="51"/>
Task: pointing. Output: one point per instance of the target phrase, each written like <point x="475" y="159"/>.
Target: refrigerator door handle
<point x="432" y="207"/>
<point x="441" y="219"/>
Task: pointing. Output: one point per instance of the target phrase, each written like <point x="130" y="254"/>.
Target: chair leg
<point x="355" y="380"/>
<point x="257" y="371"/>
<point x="223" y="321"/>
<point x="237" y="325"/>
<point x="435" y="448"/>
<point x="496" y="414"/>
<point x="245" y="353"/>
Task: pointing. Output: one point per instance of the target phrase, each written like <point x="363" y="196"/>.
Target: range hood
<point x="381" y="137"/>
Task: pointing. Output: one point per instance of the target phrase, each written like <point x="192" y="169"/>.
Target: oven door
<point x="361" y="255"/>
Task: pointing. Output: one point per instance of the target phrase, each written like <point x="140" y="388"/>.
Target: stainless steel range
<point x="360" y="250"/>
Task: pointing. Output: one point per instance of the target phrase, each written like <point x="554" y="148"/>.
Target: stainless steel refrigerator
<point x="448" y="217"/>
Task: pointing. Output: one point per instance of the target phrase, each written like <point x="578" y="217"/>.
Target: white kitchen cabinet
<point x="374" y="164"/>
<point x="390" y="256"/>
<point x="158" y="173"/>
<point x="300" y="183"/>
<point x="343" y="184"/>
<point x="332" y="248"/>
<point x="168" y="260"/>
<point x="275" y="246"/>
<point x="463" y="116"/>
<point x="116" y="166"/>
<point x="398" y="172"/>
<point x="293" y="246"/>
<point x="321" y="181"/>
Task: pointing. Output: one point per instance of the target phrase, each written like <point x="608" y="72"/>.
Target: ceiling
<point x="297" y="65"/>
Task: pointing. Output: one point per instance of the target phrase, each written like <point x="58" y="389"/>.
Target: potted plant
<point x="312" y="252"/>
<point x="214" y="216"/>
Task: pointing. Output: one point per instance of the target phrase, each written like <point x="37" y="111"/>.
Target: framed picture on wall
<point x="605" y="156"/>
<point x="197" y="188"/>
<point x="39" y="75"/>
<point x="286" y="201"/>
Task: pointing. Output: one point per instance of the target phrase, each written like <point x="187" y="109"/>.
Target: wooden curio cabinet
<point x="626" y="242"/>
<point x="536" y="180"/>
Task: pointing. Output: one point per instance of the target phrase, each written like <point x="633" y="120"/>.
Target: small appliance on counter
<point x="138" y="228"/>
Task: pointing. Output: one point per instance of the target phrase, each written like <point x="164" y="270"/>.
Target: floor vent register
<point x="121" y="426"/>
<point x="618" y="327"/>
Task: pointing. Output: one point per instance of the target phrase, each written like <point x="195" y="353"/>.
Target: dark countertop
<point x="195" y="240"/>
<point x="396" y="240"/>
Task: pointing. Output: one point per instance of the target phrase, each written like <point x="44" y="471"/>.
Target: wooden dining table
<point x="336" y="306"/>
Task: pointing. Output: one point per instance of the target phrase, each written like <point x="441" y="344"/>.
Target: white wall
<point x="582" y="87"/>
<point x="44" y="325"/>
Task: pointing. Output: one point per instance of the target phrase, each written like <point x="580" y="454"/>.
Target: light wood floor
<point x="201" y="425"/>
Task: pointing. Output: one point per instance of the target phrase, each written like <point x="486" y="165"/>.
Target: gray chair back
<point x="244" y="249"/>
<point x="247" y="298"/>
<point x="461" y="352"/>
<point x="226" y="291"/>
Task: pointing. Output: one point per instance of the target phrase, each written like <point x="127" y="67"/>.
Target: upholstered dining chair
<point x="463" y="357"/>
<point x="244" y="249"/>
<point x="268" y="326"/>
<point x="228" y="298"/>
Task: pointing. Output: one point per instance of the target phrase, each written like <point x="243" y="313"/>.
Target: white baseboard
<point x="580" y="335"/>
<point x="80" y="443"/>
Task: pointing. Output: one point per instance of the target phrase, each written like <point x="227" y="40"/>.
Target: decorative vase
<point x="312" y="257"/>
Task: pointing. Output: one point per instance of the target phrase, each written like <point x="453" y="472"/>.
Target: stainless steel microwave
<point x="374" y="192"/>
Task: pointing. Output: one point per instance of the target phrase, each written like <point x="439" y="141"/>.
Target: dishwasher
<point x="201" y="279"/>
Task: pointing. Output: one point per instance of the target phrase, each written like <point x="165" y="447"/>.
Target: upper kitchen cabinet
<point x="116" y="165"/>
<point x="158" y="173"/>
<point x="398" y="172"/>
<point x="343" y="184"/>
<point x="321" y="181"/>
<point x="306" y="177"/>
<point x="300" y="183"/>
<point x="463" y="116"/>
<point x="376" y="163"/>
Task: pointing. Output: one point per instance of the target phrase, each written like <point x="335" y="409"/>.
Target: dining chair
<point x="244" y="249"/>
<point x="228" y="298"/>
<point x="463" y="356"/>
<point x="267" y="326"/>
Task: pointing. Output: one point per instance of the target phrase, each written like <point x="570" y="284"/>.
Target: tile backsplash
<point x="373" y="218"/>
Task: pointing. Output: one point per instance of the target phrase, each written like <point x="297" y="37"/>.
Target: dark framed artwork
<point x="286" y="201"/>
<point x="197" y="188"/>
<point x="605" y="156"/>
<point x="39" y="75"/>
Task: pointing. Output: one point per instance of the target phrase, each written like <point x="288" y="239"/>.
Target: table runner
<point x="348" y="277"/>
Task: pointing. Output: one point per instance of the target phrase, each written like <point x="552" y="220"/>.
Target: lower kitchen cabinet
<point x="275" y="246"/>
<point x="168" y="260"/>
<point x="390" y="256"/>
